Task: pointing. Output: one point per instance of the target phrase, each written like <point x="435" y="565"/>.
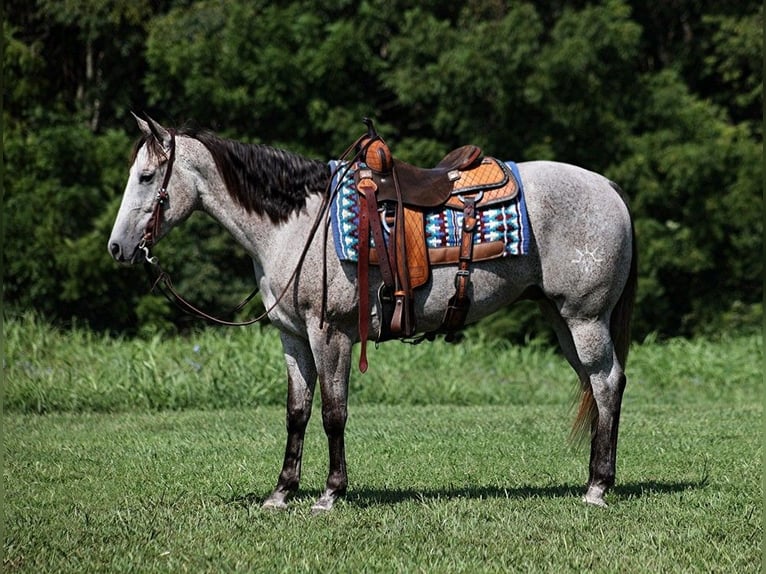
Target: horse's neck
<point x="245" y="228"/>
<point x="273" y="246"/>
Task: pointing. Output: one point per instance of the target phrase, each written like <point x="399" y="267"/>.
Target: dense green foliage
<point x="155" y="458"/>
<point x="664" y="98"/>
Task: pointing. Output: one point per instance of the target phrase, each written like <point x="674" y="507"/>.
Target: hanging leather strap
<point x="362" y="278"/>
<point x="385" y="260"/>
<point x="402" y="323"/>
<point x="459" y="303"/>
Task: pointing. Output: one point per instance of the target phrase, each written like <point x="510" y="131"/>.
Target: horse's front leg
<point x="301" y="381"/>
<point x="333" y="356"/>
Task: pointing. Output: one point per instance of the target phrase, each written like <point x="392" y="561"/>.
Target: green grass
<point x="157" y="472"/>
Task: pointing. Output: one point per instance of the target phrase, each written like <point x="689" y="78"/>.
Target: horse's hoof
<point x="322" y="505"/>
<point x="595" y="496"/>
<point x="274" y="504"/>
<point x="600" y="502"/>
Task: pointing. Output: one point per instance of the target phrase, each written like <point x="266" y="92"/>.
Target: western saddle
<point x="396" y="195"/>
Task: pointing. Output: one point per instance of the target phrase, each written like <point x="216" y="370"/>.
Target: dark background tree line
<point x="663" y="96"/>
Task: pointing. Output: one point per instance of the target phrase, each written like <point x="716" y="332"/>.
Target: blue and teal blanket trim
<point x="507" y="222"/>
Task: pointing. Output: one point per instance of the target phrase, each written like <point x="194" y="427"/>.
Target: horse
<point x="580" y="268"/>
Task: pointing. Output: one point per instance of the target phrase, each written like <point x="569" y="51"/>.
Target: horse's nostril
<point x="115" y="250"/>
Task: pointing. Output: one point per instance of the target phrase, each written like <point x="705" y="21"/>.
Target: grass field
<point x="145" y="462"/>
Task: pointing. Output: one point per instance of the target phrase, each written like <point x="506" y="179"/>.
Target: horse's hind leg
<point x="599" y="364"/>
<point x="301" y="380"/>
<point x="588" y="346"/>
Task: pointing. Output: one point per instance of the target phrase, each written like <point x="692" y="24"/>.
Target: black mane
<point x="262" y="179"/>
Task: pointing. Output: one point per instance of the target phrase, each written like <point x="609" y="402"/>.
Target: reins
<point x="164" y="284"/>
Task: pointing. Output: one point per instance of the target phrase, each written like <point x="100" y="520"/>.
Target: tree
<point x="81" y="67"/>
<point x="663" y="97"/>
<point x="694" y="179"/>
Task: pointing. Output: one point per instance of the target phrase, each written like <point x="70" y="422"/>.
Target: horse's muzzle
<point x="136" y="255"/>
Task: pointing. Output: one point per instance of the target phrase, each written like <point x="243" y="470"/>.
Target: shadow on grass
<point x="364" y="497"/>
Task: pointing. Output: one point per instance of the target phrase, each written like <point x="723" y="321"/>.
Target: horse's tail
<point x="620" y="331"/>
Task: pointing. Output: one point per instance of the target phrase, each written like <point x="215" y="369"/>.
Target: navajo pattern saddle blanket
<point x="502" y="229"/>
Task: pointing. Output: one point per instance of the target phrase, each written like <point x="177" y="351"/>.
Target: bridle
<point x="152" y="229"/>
<point x="162" y="282"/>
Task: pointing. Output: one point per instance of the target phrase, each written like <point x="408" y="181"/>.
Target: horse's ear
<point x="142" y="125"/>
<point x="160" y="134"/>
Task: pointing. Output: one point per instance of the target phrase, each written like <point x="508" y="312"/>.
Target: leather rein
<point x="162" y="281"/>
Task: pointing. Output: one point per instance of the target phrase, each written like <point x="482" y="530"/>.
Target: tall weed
<point x="52" y="370"/>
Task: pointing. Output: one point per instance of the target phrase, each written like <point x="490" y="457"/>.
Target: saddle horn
<point x="374" y="151"/>
<point x="371" y="132"/>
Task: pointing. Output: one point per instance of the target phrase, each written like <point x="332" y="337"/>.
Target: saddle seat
<point x="463" y="172"/>
<point x="423" y="187"/>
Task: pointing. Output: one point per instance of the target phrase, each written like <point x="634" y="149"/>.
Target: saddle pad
<point x="507" y="222"/>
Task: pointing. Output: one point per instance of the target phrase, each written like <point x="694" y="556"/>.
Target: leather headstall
<point x="155" y="221"/>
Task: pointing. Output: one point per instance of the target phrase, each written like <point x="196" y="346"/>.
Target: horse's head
<point x="159" y="193"/>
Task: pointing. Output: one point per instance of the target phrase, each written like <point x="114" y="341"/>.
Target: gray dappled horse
<point x="580" y="267"/>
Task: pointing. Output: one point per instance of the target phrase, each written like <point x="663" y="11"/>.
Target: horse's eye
<point x="146" y="177"/>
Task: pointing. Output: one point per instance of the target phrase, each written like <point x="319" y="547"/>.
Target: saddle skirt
<point x="503" y="226"/>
